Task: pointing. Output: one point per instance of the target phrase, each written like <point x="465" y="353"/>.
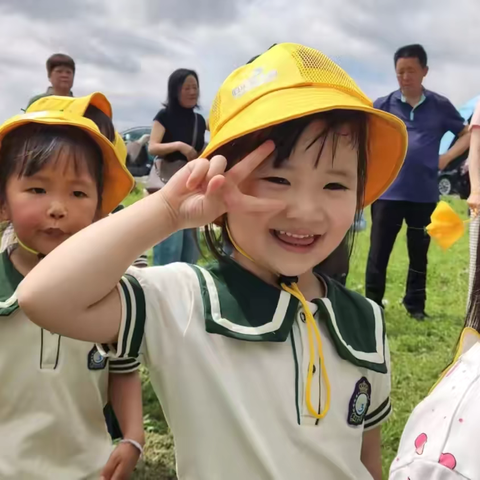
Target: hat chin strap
<point x="289" y="284"/>
<point x="30" y="250"/>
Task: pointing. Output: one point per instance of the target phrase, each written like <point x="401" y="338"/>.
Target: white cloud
<point x="127" y="49"/>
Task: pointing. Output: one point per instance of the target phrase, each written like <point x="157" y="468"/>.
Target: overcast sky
<point x="127" y="48"/>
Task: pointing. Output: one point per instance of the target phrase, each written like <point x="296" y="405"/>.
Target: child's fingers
<point x="218" y="164"/>
<point x="109" y="469"/>
<point x="246" y="166"/>
<point x="247" y="203"/>
<point x="198" y="170"/>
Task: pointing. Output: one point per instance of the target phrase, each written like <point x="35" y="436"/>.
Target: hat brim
<point x="118" y="182"/>
<point x="387" y="134"/>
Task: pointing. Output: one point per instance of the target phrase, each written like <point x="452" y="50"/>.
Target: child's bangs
<point x="338" y="125"/>
<point x="33" y="147"/>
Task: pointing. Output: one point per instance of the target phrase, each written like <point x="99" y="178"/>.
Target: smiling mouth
<point x="294" y="240"/>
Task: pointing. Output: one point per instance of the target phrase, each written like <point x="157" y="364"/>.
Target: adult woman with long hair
<point x="178" y="136"/>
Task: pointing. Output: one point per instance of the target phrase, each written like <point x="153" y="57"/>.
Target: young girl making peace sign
<point x="264" y="370"/>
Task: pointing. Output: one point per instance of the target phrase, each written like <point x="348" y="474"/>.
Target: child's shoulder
<point x="165" y="278"/>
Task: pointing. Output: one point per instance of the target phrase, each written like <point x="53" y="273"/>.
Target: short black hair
<point x="412" y="51"/>
<point x="60" y="60"/>
<point x="175" y="83"/>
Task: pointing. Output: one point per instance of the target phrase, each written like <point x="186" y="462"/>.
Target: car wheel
<point x="444" y="186"/>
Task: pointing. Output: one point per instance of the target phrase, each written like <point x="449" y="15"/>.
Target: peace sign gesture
<point x="202" y="191"/>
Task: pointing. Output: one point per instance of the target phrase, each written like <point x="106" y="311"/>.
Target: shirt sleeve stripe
<point x="378" y="410"/>
<point x="129" y="313"/>
<point x="131" y="367"/>
<point x="122" y="362"/>
<point x="382" y="417"/>
<point x="141" y="314"/>
<point x="132" y="323"/>
<point x="141" y="261"/>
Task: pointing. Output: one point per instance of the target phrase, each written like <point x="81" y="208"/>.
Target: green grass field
<point x="420" y="350"/>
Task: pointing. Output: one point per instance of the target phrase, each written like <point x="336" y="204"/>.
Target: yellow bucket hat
<point x="55" y="110"/>
<point x="291" y="81"/>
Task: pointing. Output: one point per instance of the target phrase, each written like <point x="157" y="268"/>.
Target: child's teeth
<point x="288" y="234"/>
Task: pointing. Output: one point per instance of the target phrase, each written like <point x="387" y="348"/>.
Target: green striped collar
<point x="10" y="278"/>
<point x="237" y="304"/>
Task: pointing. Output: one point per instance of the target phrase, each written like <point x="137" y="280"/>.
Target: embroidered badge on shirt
<point x="359" y="402"/>
<point x="96" y="361"/>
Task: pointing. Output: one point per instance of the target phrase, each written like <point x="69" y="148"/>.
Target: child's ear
<point x="4" y="216"/>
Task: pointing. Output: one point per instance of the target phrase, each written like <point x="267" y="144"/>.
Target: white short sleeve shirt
<point x="52" y="395"/>
<point x="228" y="358"/>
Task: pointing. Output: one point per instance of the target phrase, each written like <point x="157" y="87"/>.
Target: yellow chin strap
<point x="30" y="250"/>
<point x="313" y="334"/>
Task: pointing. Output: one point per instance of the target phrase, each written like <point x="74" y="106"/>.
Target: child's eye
<point x="79" y="194"/>
<point x="37" y="190"/>
<point x="335" y="186"/>
<point x="278" y="180"/>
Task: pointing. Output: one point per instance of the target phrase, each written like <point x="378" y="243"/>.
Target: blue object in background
<point x="360" y="224"/>
<point x="466" y="111"/>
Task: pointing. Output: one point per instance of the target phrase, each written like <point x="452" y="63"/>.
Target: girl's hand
<point x="188" y="151"/>
<point x="473" y="202"/>
<point x="202" y="191"/>
<point x="121" y="463"/>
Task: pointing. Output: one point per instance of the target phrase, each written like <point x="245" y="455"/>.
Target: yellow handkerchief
<point x="446" y="226"/>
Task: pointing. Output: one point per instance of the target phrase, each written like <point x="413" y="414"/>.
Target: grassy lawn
<point x="420" y="350"/>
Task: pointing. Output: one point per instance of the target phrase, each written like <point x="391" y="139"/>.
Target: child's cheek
<point x="26" y="215"/>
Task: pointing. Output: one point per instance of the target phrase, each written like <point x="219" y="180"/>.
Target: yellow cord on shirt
<point x="28" y="249"/>
<point x="313" y="333"/>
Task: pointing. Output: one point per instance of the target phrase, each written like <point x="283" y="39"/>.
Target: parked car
<point x="135" y="133"/>
<point x="454" y="179"/>
<point x="139" y="161"/>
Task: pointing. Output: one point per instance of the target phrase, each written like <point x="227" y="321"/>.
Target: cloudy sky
<point x="127" y="48"/>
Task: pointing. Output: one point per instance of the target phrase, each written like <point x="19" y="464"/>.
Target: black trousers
<point x="387" y="220"/>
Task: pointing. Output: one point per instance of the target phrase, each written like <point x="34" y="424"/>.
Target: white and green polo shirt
<point x="52" y="395"/>
<point x="228" y="358"/>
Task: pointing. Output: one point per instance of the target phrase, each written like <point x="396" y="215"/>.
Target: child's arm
<point x="372" y="452"/>
<point x="125" y="394"/>
<point x="75" y="285"/>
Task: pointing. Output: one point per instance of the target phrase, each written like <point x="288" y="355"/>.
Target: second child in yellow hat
<point x="264" y="370"/>
<point x="62" y="167"/>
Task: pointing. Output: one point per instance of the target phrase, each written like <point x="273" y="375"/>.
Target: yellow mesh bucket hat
<point x="55" y="110"/>
<point x="291" y="81"/>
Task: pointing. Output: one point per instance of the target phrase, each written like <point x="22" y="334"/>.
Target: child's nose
<point x="57" y="210"/>
<point x="305" y="207"/>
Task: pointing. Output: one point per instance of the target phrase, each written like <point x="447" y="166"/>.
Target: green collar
<point x="10" y="278"/>
<point x="237" y="304"/>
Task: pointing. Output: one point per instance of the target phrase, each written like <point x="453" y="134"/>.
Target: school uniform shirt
<point x="228" y="358"/>
<point x="440" y="440"/>
<point x="52" y="395"/>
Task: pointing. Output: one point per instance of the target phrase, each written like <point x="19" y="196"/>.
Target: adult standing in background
<point x="178" y="136"/>
<point x="414" y="194"/>
<point x="61" y="74"/>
